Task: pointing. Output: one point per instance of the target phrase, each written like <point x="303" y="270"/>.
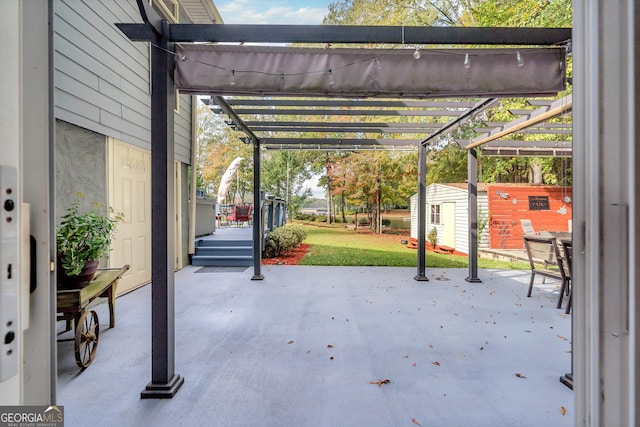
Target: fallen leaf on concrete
<point x="380" y="382"/>
<point x="436" y="363"/>
<point x="405" y="357"/>
<point x="413" y="364"/>
<point x="413" y="420"/>
<point x="563" y="411"/>
<point x="561" y="337"/>
<point x="430" y="345"/>
<point x="290" y="342"/>
<point x="329" y="346"/>
<point x="519" y="375"/>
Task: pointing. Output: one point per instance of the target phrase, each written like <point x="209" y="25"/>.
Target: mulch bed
<point x="292" y="257"/>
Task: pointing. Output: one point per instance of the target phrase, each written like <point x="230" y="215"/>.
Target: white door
<point x="448" y="218"/>
<point x="130" y="194"/>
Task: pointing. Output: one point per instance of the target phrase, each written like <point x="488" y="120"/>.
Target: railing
<point x="273" y="213"/>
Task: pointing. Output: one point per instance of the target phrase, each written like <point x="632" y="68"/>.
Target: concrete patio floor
<point x="302" y="347"/>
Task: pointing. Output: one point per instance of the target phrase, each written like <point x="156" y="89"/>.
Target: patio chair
<point x="546" y="261"/>
<point x="527" y="226"/>
<point x="241" y="214"/>
<point x="567" y="248"/>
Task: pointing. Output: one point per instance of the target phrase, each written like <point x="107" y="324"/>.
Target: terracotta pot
<point x="80" y="280"/>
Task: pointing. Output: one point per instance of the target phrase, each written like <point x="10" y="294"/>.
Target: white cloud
<point x="248" y="12"/>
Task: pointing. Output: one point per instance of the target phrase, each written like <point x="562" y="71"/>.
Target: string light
<point x="331" y="81"/>
<point x="519" y="60"/>
<point x="232" y="78"/>
<point x="467" y="61"/>
<point x="416" y="53"/>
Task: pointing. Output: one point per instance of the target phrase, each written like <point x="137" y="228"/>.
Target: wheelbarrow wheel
<point x="87" y="334"/>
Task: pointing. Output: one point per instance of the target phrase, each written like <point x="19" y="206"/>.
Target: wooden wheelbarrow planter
<point x="72" y="306"/>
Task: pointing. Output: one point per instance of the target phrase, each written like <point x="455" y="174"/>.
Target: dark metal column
<point x="257" y="214"/>
<point x="472" y="179"/>
<point x="422" y="212"/>
<point x="164" y="382"/>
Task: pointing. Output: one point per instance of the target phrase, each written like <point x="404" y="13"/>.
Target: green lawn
<point x="337" y="245"/>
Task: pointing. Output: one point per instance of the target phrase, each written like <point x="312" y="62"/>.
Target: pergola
<point x="256" y="86"/>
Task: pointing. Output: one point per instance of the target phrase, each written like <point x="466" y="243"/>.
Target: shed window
<point x="435" y="214"/>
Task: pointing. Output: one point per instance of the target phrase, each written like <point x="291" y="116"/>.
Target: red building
<point x="549" y="208"/>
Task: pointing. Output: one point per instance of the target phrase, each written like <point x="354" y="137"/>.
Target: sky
<point x="274" y="12"/>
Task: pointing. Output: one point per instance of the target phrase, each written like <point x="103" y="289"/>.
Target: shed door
<point x="130" y="193"/>
<point x="448" y="216"/>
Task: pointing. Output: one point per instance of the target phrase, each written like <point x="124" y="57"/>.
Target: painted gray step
<point x="214" y="243"/>
<point x="224" y="250"/>
<point x="226" y="261"/>
<point x="228" y="253"/>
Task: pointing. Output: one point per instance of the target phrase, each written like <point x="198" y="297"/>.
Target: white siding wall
<point x="441" y="193"/>
<point x="102" y="79"/>
<point x="437" y="194"/>
<point x="413" y="206"/>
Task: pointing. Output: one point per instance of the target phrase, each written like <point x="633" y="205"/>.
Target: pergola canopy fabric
<point x="361" y="73"/>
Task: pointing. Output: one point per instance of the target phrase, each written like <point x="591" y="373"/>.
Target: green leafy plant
<point x="283" y="238"/>
<point x="84" y="236"/>
<point x="432" y="237"/>
<point x="483" y="221"/>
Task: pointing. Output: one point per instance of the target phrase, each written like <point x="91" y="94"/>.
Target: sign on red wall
<point x="548" y="208"/>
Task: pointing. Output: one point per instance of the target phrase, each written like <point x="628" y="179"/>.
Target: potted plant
<point x="82" y="239"/>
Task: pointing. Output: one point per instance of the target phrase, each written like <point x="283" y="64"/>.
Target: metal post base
<point x="421" y="278"/>
<point x="567" y="379"/>
<point x="473" y="279"/>
<point x="257" y="277"/>
<point x="162" y="391"/>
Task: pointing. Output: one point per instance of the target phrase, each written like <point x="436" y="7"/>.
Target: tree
<point x="520" y="13"/>
<point x="218" y="145"/>
<point x="371" y="180"/>
<point x="447" y="164"/>
<point x="284" y="174"/>
<point x="397" y="12"/>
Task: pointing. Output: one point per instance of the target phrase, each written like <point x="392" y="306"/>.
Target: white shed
<point x="448" y="212"/>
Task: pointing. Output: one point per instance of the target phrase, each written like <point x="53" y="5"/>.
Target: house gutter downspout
<point x="194" y="158"/>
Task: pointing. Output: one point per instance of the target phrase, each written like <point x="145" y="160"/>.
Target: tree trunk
<point x="536" y="173"/>
<point x="328" y="199"/>
<point x="376" y="217"/>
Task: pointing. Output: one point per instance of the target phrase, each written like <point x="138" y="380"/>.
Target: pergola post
<point x="257" y="214"/>
<point x="164" y="381"/>
<point x="422" y="212"/>
<point x="472" y="179"/>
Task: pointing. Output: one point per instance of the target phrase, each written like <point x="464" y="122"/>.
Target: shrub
<point x="283" y="239"/>
<point x="320" y="218"/>
<point x="433" y="237"/>
<point x="304" y="217"/>
<point x="386" y="222"/>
